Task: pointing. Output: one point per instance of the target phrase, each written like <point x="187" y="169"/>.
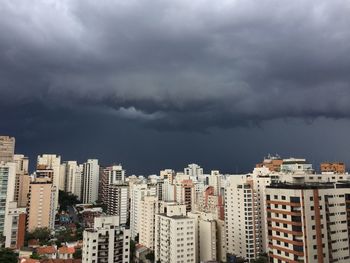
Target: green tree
<point x="77" y="254"/>
<point x="150" y="256"/>
<point x="261" y="259"/>
<point x="35" y="256"/>
<point x="66" y="199"/>
<point x="43" y="234"/>
<point x="132" y="250"/>
<point x="7" y="255"/>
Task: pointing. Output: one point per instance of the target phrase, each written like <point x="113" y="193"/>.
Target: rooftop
<point x="310" y="185"/>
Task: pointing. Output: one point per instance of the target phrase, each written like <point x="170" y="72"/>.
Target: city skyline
<point x="157" y="84"/>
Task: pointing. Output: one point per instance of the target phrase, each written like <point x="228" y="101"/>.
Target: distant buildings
<point x="7" y="148"/>
<point x="283" y="208"/>
<point x="335" y="167"/>
<point x="90" y="181"/>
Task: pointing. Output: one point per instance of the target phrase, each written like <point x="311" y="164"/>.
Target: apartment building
<point x="333" y="167"/>
<point x="12" y="218"/>
<point x="90" y="181"/>
<point x="175" y="236"/>
<point x="41" y="203"/>
<point x="118" y="201"/>
<point x="7" y="148"/>
<point x="148" y="209"/>
<point x="137" y="194"/>
<point x="106" y="242"/>
<point x="308" y="222"/>
<point x="245" y="213"/>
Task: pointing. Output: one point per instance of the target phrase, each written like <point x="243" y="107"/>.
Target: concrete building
<point x="22" y="180"/>
<point x="208" y="202"/>
<point x="186" y="194"/>
<point x="53" y="162"/>
<point x="296" y="165"/>
<point x="175" y="236"/>
<point x="215" y="181"/>
<point x="71" y="177"/>
<point x="118" y="202"/>
<point x="12" y="219"/>
<point x="15" y="226"/>
<point x="308" y="222"/>
<point x="90" y="181"/>
<point x="208" y="237"/>
<point x="244" y="214"/>
<point x="7" y="189"/>
<point x="194" y="171"/>
<point x="273" y="163"/>
<point x="107" y="242"/>
<point x="138" y="192"/>
<point x="114" y="174"/>
<point x="41" y="204"/>
<point x="7" y="148"/>
<point x="147" y="213"/>
<point x="333" y="167"/>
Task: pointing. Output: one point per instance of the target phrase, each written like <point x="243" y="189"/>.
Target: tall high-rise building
<point x="137" y="193"/>
<point x="71" y="174"/>
<point x="114" y="174"/>
<point x="210" y="237"/>
<point x="175" y="238"/>
<point x="118" y="202"/>
<point x="12" y="218"/>
<point x="22" y="180"/>
<point x="148" y="210"/>
<point x="41" y="204"/>
<point x="185" y="194"/>
<point x="90" y="181"/>
<point x="7" y="148"/>
<point x="245" y="216"/>
<point x="308" y="222"/>
<point x="53" y="162"/>
<point x="107" y="242"/>
<point x="194" y="171"/>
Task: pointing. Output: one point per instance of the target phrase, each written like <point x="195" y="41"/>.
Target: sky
<point x="157" y="84"/>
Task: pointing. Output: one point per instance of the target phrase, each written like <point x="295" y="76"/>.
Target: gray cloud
<point x="179" y="64"/>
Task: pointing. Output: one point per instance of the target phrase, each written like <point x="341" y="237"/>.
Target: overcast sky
<point x="158" y="84"/>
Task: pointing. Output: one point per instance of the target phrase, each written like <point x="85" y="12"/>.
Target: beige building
<point x="210" y="237"/>
<point x="308" y="222"/>
<point x="22" y="180"/>
<point x="41" y="204"/>
<point x="175" y="236"/>
<point x="147" y="212"/>
<point x="7" y="148"/>
<point x="53" y="162"/>
<point x="245" y="213"/>
<point x="10" y="226"/>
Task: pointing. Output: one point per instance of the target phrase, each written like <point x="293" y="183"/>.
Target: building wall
<point x="107" y="242"/>
<point x="147" y="221"/>
<point x="308" y="225"/>
<point x="7" y="148"/>
<point x="41" y="206"/>
<point x="90" y="181"/>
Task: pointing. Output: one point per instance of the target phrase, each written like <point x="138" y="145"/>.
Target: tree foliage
<point x="7" y="255"/>
<point x="66" y="199"/>
<point x="43" y="234"/>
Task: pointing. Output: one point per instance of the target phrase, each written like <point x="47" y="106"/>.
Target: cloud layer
<point x="178" y="64"/>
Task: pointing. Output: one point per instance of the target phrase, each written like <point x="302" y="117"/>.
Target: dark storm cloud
<point x="178" y="64"/>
